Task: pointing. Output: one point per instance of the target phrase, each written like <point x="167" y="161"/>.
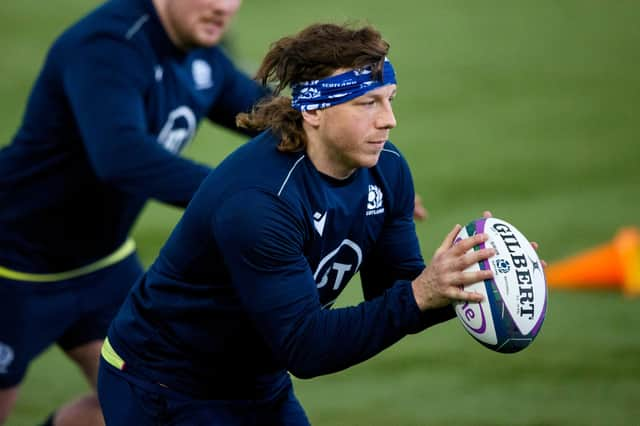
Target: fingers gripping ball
<point x="515" y="300"/>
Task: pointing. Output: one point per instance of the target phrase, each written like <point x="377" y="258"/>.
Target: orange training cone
<point x="628" y="241"/>
<point x="608" y="266"/>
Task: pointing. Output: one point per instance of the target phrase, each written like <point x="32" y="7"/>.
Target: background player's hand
<point x="419" y="211"/>
<point x="443" y="280"/>
<point x="535" y="247"/>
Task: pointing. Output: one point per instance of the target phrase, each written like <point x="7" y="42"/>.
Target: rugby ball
<point x="515" y="300"/>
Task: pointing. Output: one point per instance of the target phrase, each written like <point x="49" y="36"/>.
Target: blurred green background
<point x="525" y="108"/>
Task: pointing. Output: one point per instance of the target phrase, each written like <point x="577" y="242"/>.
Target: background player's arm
<point x="240" y="94"/>
<point x="106" y="97"/>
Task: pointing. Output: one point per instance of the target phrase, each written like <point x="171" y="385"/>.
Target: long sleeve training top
<point x="242" y="290"/>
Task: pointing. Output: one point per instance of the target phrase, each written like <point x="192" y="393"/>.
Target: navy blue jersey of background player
<point x="239" y="292"/>
<point x="114" y="104"/>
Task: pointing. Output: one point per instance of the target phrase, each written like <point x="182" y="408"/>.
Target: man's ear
<point x="312" y="117"/>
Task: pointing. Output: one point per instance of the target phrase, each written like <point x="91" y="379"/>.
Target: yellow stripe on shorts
<point x="110" y="355"/>
<point x="125" y="250"/>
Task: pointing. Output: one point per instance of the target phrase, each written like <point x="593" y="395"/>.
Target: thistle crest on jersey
<point x="374" y="201"/>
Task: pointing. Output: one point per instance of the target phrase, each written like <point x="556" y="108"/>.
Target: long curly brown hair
<point x="314" y="53"/>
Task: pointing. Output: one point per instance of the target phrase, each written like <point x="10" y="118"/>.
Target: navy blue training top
<point x="114" y="104"/>
<point x="240" y="291"/>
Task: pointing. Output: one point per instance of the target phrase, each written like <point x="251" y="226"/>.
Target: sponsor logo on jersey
<point x="6" y="357"/>
<point x="178" y="130"/>
<point x="337" y="268"/>
<point x="201" y="71"/>
<point x="319" y="220"/>
<point x="374" y="201"/>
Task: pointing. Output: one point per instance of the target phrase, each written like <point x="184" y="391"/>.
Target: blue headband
<point x="334" y="90"/>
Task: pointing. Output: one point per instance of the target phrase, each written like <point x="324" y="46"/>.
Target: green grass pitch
<point x="526" y="108"/>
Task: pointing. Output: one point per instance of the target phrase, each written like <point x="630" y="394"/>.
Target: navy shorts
<point x="127" y="400"/>
<point x="35" y="315"/>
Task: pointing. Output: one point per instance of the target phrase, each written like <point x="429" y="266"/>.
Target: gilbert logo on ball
<point x="515" y="300"/>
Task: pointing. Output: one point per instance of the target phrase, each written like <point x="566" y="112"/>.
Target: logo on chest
<point x="319" y="219"/>
<point x="178" y="130"/>
<point x="337" y="267"/>
<point x="374" y="201"/>
<point x="201" y="72"/>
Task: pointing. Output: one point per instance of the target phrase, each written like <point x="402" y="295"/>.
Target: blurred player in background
<point x="119" y="96"/>
<point x="240" y="293"/>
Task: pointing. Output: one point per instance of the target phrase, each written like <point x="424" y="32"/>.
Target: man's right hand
<point x="444" y="279"/>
